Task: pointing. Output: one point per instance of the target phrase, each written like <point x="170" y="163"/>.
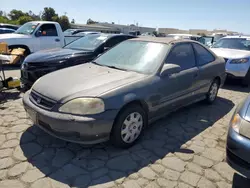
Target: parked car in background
<point x="238" y="139"/>
<point x="85" y="33"/>
<point x="80" y="51"/>
<point x="148" y="34"/>
<point x="35" y="36"/>
<point x="236" y="52"/>
<point x="6" y="30"/>
<point x="184" y="36"/>
<point x="9" y="26"/>
<point x="206" y="40"/>
<point x="70" y="32"/>
<point x="123" y="90"/>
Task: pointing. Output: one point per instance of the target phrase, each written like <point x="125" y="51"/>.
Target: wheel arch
<point x="27" y="49"/>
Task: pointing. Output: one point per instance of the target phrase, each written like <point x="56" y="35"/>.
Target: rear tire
<point x="212" y="92"/>
<point x="128" y="126"/>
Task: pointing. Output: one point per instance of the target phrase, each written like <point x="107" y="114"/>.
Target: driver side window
<point x="182" y="55"/>
<point x="48" y="30"/>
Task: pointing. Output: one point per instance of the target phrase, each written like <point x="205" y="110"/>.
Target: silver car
<point x="122" y="91"/>
<point x="236" y="52"/>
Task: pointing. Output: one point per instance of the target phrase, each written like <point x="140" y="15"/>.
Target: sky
<point x="232" y="15"/>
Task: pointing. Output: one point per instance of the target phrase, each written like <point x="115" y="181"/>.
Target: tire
<point x="212" y="92"/>
<point x="132" y="129"/>
<point x="246" y="81"/>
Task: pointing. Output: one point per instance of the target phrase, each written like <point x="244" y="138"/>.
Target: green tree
<point x="48" y="14"/>
<point x="90" y="21"/>
<point x="34" y="16"/>
<point x="16" y="14"/>
<point x="64" y="22"/>
<point x="24" y="19"/>
<point x="155" y="33"/>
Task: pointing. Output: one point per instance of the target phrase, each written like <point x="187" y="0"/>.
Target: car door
<point x="182" y="54"/>
<point x="48" y="37"/>
<point x="206" y="68"/>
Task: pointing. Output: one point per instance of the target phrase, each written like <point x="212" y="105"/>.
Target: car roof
<point x="109" y="35"/>
<point x="164" y="40"/>
<point x="237" y="36"/>
<point x="43" y="22"/>
<point x="7" y="29"/>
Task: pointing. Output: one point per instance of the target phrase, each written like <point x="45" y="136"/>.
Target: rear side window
<point x="203" y="55"/>
<point x="48" y="30"/>
<point x="182" y="55"/>
<point x="114" y="41"/>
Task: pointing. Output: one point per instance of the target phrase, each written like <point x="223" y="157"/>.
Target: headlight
<point x="239" y="61"/>
<point x="83" y="106"/>
<point x="235" y="123"/>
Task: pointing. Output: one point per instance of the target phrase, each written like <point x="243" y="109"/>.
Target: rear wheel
<point x="128" y="126"/>
<point x="212" y="92"/>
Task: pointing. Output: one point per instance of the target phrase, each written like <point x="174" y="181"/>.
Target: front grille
<point x="42" y="101"/>
<point x="35" y="65"/>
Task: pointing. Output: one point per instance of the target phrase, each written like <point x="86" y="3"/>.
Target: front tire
<point x="212" y="92"/>
<point x="128" y="126"/>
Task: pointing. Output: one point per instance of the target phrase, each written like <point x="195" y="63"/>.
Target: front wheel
<point x="212" y="92"/>
<point x="128" y="126"/>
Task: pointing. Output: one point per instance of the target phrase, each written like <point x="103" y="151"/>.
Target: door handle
<point x="57" y="40"/>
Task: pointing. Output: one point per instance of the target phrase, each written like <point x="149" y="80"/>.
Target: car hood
<point x="54" y="54"/>
<point x="13" y="36"/>
<point x="230" y="53"/>
<point x="88" y="80"/>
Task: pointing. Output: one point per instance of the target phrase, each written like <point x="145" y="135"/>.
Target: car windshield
<point x="233" y="43"/>
<point x="139" y="56"/>
<point x="89" y="42"/>
<point x="27" y="29"/>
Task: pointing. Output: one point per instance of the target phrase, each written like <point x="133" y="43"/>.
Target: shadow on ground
<point x="235" y="85"/>
<point x="9" y="94"/>
<point x="80" y="166"/>
<point x="240" y="181"/>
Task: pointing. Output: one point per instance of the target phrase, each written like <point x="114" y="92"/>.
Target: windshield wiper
<point x="21" y="33"/>
<point x="110" y="66"/>
<point x="114" y="67"/>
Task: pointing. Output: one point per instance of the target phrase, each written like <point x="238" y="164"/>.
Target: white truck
<point x="34" y="36"/>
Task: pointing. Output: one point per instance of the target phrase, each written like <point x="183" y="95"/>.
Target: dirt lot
<point x="186" y="149"/>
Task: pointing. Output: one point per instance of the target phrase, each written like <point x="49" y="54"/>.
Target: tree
<point x="24" y="19"/>
<point x="90" y="21"/>
<point x="16" y="14"/>
<point x="33" y="15"/>
<point x="155" y="33"/>
<point x="64" y="22"/>
<point x="73" y="21"/>
<point x="48" y="14"/>
<point x="1" y="13"/>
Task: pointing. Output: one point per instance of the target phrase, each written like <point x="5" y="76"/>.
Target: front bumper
<point x="237" y="70"/>
<point x="238" y="152"/>
<point x="79" y="129"/>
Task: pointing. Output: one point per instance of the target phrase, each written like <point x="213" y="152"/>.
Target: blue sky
<point x="183" y="14"/>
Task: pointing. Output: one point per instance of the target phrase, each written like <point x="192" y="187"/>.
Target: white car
<point x="35" y="36"/>
<point x="236" y="52"/>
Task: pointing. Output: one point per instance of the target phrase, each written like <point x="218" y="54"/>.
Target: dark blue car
<point x="238" y="139"/>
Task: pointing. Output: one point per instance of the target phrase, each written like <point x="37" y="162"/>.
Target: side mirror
<point x="38" y="33"/>
<point x="169" y="69"/>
